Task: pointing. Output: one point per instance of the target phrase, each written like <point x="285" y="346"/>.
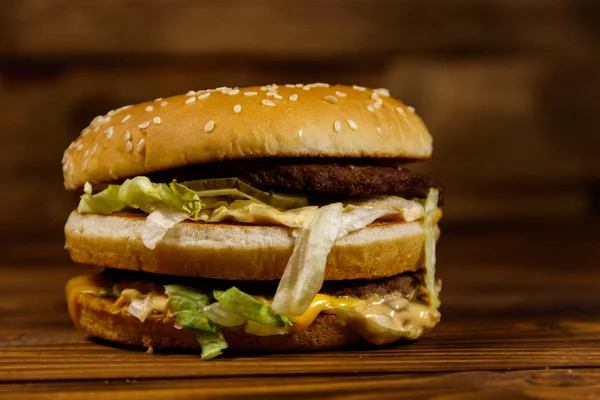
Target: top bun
<point x="315" y="120"/>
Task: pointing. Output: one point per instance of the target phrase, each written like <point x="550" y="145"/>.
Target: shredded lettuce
<point x="158" y="224"/>
<point x="249" y="308"/>
<point x="222" y="316"/>
<point x="105" y="202"/>
<point x="304" y="274"/>
<point x="255" y="328"/>
<point x="186" y="298"/>
<point x="429" y="248"/>
<point x="211" y="343"/>
<point x="140" y="193"/>
<point x="140" y="308"/>
<point x="188" y="304"/>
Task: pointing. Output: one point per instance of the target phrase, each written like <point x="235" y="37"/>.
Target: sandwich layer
<point x="255" y="122"/>
<point x="107" y="315"/>
<point x="237" y="252"/>
<point x="103" y="318"/>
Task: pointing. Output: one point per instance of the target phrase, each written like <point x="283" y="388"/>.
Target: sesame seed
<point x="299" y="132"/>
<point x="269" y="94"/>
<point x="190" y="93"/>
<point x="289" y="85"/>
<point x="125" y="118"/>
<point x="163" y="103"/>
<point x="371" y="108"/>
<point x="113" y="174"/>
<point x="268" y="103"/>
<point x="294" y="97"/>
<point x="123" y="108"/>
<point x="250" y="93"/>
<point x="149" y="108"/>
<point x="263" y="88"/>
<point x="234" y="92"/>
<point x="203" y="95"/>
<point x="128" y="146"/>
<point x="306" y="87"/>
<point x="144" y="125"/>
<point x="411" y="109"/>
<point x="85" y="131"/>
<point x="190" y="100"/>
<point x="108" y="133"/>
<point x="79" y="147"/>
<point x="379" y="130"/>
<point x="158" y="99"/>
<point x="222" y="88"/>
<point x="377" y="105"/>
<point x="111" y="113"/>
<point x="375" y="96"/>
<point x="359" y="88"/>
<point x="210" y="125"/>
<point x="341" y="94"/>
<point x="86" y="154"/>
<point x="319" y="84"/>
<point x="383" y="92"/>
<point x="94" y="149"/>
<point x="277" y="96"/>
<point x="401" y="111"/>
<point x="85" y="164"/>
<point x="237" y="108"/>
<point x="337" y="125"/>
<point x="157" y="120"/>
<point x="127" y="135"/>
<point x="299" y="85"/>
<point x="141" y="145"/>
<point x="352" y="124"/>
<point x="331" y="99"/>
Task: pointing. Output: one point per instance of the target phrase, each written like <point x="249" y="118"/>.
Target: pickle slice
<point x="236" y="188"/>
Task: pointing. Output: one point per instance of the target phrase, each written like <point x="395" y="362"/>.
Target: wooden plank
<point x="315" y="28"/>
<point x="542" y="384"/>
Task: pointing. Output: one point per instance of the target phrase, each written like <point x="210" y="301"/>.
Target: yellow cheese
<point x="319" y="304"/>
<point x="82" y="284"/>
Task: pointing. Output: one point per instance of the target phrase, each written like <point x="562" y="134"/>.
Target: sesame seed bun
<point x="238" y="252"/>
<point x="102" y="318"/>
<point x="315" y="120"/>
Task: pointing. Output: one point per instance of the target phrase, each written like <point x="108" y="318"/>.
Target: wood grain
<point x="547" y="384"/>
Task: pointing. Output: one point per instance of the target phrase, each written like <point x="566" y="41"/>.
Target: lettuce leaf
<point x="222" y="316"/>
<point x="249" y="308"/>
<point x="158" y="224"/>
<point x="211" y="343"/>
<point x="188" y="304"/>
<point x="140" y="193"/>
<point x="105" y="202"/>
<point x="304" y="274"/>
<point x="429" y="247"/>
<point x="186" y="298"/>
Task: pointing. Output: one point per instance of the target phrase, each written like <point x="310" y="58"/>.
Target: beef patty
<point x="405" y="284"/>
<point x="320" y="180"/>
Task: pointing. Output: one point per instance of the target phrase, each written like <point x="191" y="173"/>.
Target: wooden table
<point x="521" y="319"/>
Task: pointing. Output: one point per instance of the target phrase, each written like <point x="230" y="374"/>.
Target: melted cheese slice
<point x="82" y="284"/>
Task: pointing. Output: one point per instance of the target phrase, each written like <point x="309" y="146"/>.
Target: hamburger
<point x="273" y="218"/>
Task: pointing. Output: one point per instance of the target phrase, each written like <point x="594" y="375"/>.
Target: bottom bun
<point x="104" y="319"/>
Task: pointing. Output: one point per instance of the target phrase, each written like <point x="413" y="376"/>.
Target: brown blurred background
<point x="509" y="89"/>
